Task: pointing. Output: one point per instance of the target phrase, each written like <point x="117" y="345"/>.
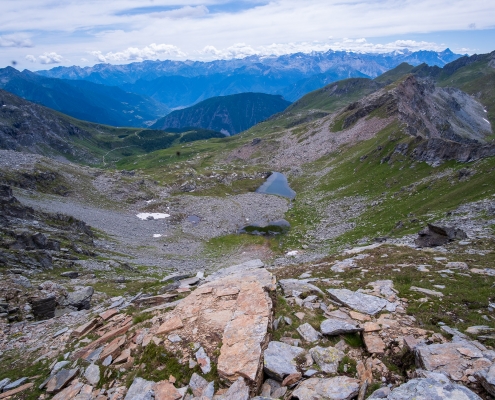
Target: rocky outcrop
<point x="434" y="235"/>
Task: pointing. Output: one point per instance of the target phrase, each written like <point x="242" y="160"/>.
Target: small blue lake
<point x="277" y="184"/>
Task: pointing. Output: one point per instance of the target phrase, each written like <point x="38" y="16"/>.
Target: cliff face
<point x="227" y="114"/>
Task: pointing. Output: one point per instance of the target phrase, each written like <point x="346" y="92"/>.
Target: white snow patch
<point x="144" y="216"/>
<point x="486" y="120"/>
<point x="157" y="235"/>
<point x="149" y="201"/>
<point x="292" y="253"/>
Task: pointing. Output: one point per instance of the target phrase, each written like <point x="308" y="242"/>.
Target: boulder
<point x="334" y="326"/>
<point x="429" y="388"/>
<point x="434" y="235"/>
<point x="92" y="374"/>
<point x="337" y="388"/>
<point x="451" y="359"/>
<point x="299" y="285"/>
<point x="70" y="274"/>
<point x="280" y="360"/>
<point x="487" y="379"/>
<point x="141" y="389"/>
<point x="81" y="298"/>
<point x="309" y="333"/>
<point x="327" y="358"/>
<point x="14" y="384"/>
<point x="361" y="302"/>
<point x="43" y="307"/>
<point x="238" y="391"/>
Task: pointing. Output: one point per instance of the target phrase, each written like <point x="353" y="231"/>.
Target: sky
<point x="42" y="34"/>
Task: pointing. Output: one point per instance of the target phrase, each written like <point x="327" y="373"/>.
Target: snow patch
<point x="292" y="253"/>
<point x="144" y="216"/>
<point x="157" y="235"/>
<point x="486" y="120"/>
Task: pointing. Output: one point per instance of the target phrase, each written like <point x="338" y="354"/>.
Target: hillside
<point x="83" y="100"/>
<point x="229" y="114"/>
<point x="28" y="127"/>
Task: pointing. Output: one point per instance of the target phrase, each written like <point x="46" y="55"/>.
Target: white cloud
<point x="15" y="40"/>
<point x="360" y="45"/>
<point x="184" y="12"/>
<point x="50" y="58"/>
<point x="151" y="52"/>
<point x="75" y="28"/>
<point x="45" y="58"/>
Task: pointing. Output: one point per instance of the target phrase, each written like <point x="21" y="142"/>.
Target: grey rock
<point x="381" y="393"/>
<point x="70" y="274"/>
<point x="92" y="374"/>
<point x="299" y="285"/>
<point x="140" y="389"/>
<point x="107" y="361"/>
<point x="487" y="379"/>
<point x="208" y="391"/>
<point x="61" y="379"/>
<point x="310" y="372"/>
<point x="174" y="338"/>
<point x="197" y="384"/>
<point x="14" y="384"/>
<point x="21" y="280"/>
<point x="327" y="358"/>
<point x="288" y="321"/>
<point x="361" y="302"/>
<point x="175" y="277"/>
<point x="238" y="391"/>
<point x="203" y="360"/>
<point x="43" y="307"/>
<point x="58" y="366"/>
<point x="279" y="360"/>
<point x="81" y="298"/>
<point x="333" y="326"/>
<point x="60" y="332"/>
<point x="309" y="333"/>
<point x="279" y="393"/>
<point x="428" y="388"/>
<point x="3" y="383"/>
<point x="434" y="235"/>
<point x="426" y="291"/>
<point x="479" y="329"/>
<point x="337" y="388"/>
<point x="95" y="355"/>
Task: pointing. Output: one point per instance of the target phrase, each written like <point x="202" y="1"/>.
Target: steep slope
<point x="228" y="114"/>
<point x="82" y="99"/>
<point x="28" y="127"/>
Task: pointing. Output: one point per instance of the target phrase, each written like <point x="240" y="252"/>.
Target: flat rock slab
<point x="428" y="388"/>
<point x="451" y="359"/>
<point x="170" y="325"/>
<point x="338" y="388"/>
<point x="237" y="318"/>
<point x="327" y="358"/>
<point x="92" y="374"/>
<point x="16" y="390"/>
<point x="299" y="285"/>
<point x="279" y="360"/>
<point x="308" y="333"/>
<point x="361" y="302"/>
<point x="334" y="326"/>
<point x="426" y="291"/>
<point x="61" y="379"/>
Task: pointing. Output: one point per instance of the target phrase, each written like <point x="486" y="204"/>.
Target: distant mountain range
<point x="227" y="114"/>
<point x="84" y="100"/>
<point x="183" y="83"/>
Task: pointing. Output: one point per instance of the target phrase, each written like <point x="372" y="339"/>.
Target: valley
<point x="381" y="288"/>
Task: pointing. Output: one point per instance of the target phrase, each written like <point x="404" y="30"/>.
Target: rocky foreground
<point x="214" y="338"/>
